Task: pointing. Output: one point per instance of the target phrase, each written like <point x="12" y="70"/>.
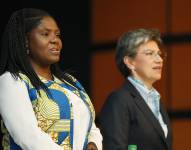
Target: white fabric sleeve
<point x="95" y="136"/>
<point x="19" y="118"/>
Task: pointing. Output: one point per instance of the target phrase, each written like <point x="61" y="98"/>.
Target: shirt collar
<point x="139" y="85"/>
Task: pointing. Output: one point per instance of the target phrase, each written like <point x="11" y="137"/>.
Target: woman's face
<point x="44" y="43"/>
<point x="147" y="64"/>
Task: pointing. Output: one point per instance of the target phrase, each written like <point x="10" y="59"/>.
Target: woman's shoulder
<point x="11" y="76"/>
<point x="7" y="76"/>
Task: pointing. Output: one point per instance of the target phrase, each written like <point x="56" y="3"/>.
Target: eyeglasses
<point x="153" y="54"/>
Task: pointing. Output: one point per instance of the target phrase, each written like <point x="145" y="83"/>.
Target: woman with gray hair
<point x="138" y="118"/>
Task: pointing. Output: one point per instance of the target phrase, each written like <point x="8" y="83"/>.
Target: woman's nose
<point x="54" y="39"/>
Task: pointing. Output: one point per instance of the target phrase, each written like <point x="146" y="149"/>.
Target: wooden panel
<point x="181" y="134"/>
<point x="110" y="18"/>
<point x="181" y="76"/>
<point x="105" y="77"/>
<point x="181" y="22"/>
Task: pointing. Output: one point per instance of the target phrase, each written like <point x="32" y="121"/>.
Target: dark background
<point x="73" y="18"/>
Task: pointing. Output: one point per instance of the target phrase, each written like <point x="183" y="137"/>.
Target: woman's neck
<point x="44" y="72"/>
<point x="147" y="83"/>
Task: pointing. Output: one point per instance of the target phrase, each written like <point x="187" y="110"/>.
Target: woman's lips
<point x="157" y="68"/>
<point x="55" y="51"/>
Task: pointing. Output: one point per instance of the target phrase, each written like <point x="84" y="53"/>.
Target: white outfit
<point x="19" y="118"/>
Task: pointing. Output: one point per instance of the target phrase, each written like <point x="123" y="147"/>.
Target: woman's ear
<point x="129" y="62"/>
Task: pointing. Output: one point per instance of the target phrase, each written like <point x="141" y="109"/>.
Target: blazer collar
<point x="146" y="111"/>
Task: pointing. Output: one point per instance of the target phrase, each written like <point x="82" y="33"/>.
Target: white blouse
<point x="19" y="118"/>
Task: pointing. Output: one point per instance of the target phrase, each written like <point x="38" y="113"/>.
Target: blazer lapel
<point x="167" y="122"/>
<point x="140" y="102"/>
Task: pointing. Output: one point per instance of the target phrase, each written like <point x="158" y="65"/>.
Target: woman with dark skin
<point x="42" y="108"/>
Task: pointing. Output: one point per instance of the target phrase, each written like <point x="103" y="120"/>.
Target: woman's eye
<point x="58" y="35"/>
<point x="45" y="34"/>
<point x="149" y="53"/>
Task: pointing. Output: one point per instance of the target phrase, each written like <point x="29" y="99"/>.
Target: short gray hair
<point x="129" y="42"/>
